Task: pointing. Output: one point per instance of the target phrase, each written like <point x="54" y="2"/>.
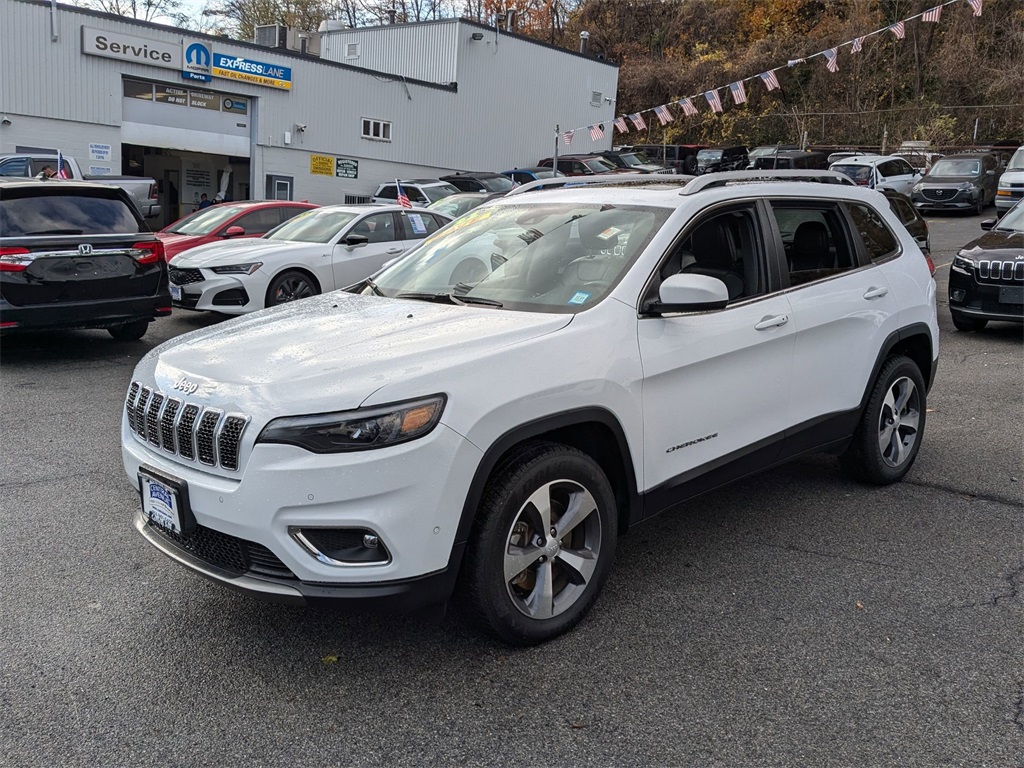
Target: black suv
<point x="480" y="181"/>
<point x="722" y="159"/>
<point x="986" y="278"/>
<point x="634" y="161"/>
<point x="78" y="255"/>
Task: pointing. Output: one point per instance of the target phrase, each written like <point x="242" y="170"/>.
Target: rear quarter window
<point x="878" y="239"/>
<point x="65" y="214"/>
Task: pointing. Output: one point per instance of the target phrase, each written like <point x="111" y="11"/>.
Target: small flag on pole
<point x="771" y="82"/>
<point x="899" y="30"/>
<point x="858" y="45"/>
<point x="567" y="137"/>
<point x="932" y="14"/>
<point x="63" y="169"/>
<point x="638" y="121"/>
<point x="688" y="108"/>
<point x="976" y="6"/>
<point x="794" y="62"/>
<point x="403" y="199"/>
<point x="663" y="115"/>
<point x="832" y="59"/>
<point x="620" y="123"/>
<point x="596" y="132"/>
<point x="739" y="92"/>
<point x="713" y="100"/>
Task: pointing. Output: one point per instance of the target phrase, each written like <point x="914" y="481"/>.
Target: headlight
<point x="918" y="187"/>
<point x="966" y="185"/>
<point x="360" y="430"/>
<point x="238" y="269"/>
<point x="963" y="263"/>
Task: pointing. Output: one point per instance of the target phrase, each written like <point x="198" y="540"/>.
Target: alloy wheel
<point x="898" y="422"/>
<point x="293" y="288"/>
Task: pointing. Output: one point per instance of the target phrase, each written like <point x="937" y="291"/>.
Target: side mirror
<point x="353" y="240"/>
<point x="234" y="231"/>
<point x="990" y="173"/>
<point x="688" y="293"/>
<point x="988" y="224"/>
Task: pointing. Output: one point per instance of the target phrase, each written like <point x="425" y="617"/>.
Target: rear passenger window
<point x="259" y="222"/>
<point x="879" y="241"/>
<point x="815" y="240"/>
<point x="418" y="225"/>
<point x="75" y="214"/>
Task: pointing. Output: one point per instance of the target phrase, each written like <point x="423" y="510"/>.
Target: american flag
<point x="858" y="45"/>
<point x="63" y="169"/>
<point x="403" y="199"/>
<point x="620" y="123"/>
<point x="832" y="59"/>
<point x="713" y="100"/>
<point x="688" y="108"/>
<point x="976" y="5"/>
<point x="771" y="82"/>
<point x="596" y="132"/>
<point x="638" y="121"/>
<point x="794" y="62"/>
<point x="567" y="137"/>
<point x="739" y="92"/>
<point x="898" y="29"/>
<point x="932" y="14"/>
<point x="663" y="115"/>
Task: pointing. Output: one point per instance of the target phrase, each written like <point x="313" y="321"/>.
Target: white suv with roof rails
<point x="421" y="192"/>
<point x="880" y="172"/>
<point x="487" y="415"/>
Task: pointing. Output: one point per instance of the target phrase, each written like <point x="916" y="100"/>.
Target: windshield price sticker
<point x="418" y="227"/>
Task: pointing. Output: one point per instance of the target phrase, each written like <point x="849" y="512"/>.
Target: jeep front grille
<point x="1001" y="271"/>
<point x="185" y="429"/>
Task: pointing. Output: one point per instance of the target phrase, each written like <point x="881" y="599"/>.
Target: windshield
<point x="316" y="226"/>
<point x="544" y="257"/>
<point x="859" y="173"/>
<point x="456" y="205"/>
<point x="1017" y="161"/>
<point x="438" y="191"/>
<point x="498" y="183"/>
<point x="709" y="155"/>
<point x="634" y="159"/>
<point x="1013" y="220"/>
<point x="599" y="164"/>
<point x="950" y="167"/>
<point x="206" y="221"/>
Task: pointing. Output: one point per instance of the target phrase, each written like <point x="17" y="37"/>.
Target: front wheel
<point x="891" y="427"/>
<point x="291" y="286"/>
<point x="967" y="324"/>
<point x="132" y="331"/>
<point x="543" y="544"/>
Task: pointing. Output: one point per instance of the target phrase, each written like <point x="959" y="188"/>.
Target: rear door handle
<point x="771" y="321"/>
<point x="393" y="251"/>
<point x="876" y="293"/>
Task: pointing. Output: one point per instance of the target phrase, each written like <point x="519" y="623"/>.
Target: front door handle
<point x="771" y="321"/>
<point x="393" y="251"/>
<point x="876" y="293"/>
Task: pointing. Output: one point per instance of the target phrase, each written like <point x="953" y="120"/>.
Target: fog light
<point x="370" y="541"/>
<point x="958" y="295"/>
<point x="342" y="546"/>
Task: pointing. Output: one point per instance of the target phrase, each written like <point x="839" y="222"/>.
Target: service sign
<point x="139" y="50"/>
<point x="321" y="165"/>
<point x="249" y="71"/>
<point x="196" y="59"/>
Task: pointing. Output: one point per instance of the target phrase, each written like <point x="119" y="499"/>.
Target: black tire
<point x="967" y="324"/>
<point x="865" y="459"/>
<point x="515" y="607"/>
<point x="291" y="286"/>
<point x="979" y="209"/>
<point x="132" y="331"/>
<point x="690" y="165"/>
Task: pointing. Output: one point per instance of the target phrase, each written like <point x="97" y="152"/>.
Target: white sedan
<point x="317" y="251"/>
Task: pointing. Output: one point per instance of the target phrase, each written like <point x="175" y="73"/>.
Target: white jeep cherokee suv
<point x="491" y="412"/>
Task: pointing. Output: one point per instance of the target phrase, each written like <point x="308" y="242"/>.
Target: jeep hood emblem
<point x="186" y="386"/>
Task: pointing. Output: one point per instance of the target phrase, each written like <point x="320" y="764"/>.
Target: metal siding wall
<point x="428" y="53"/>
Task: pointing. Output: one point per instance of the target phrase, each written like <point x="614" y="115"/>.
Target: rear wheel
<point x="980" y="207"/>
<point x="888" y="437"/>
<point x="543" y="544"/>
<point x="291" y="286"/>
<point x="964" y="323"/>
<point x="132" y="331"/>
<point x="690" y="165"/>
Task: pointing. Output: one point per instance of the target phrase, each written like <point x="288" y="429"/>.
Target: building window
<point x="595" y="98"/>
<point x="352" y="51"/>
<point x="378" y="130"/>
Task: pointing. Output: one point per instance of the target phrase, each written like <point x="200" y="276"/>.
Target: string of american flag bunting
<point x="738" y="89"/>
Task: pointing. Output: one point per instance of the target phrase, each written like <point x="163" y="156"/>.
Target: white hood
<point x="331" y="352"/>
<point x="245" y="250"/>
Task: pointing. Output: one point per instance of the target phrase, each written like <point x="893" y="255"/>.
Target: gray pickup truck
<point x="142" y="189"/>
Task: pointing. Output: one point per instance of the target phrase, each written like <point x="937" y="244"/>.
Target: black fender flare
<point x="890" y="343"/>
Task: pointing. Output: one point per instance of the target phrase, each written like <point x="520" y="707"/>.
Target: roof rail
<point x="602" y="179"/>
<point x="726" y="178"/>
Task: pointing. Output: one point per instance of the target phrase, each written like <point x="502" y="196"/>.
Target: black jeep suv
<point x="986" y="278"/>
<point x="78" y="255"/>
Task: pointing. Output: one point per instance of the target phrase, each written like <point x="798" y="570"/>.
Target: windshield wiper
<point x="373" y="287"/>
<point x="448" y="298"/>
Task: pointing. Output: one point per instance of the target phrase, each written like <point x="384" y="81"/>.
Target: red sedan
<point x="227" y="220"/>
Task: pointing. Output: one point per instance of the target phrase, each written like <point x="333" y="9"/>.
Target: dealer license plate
<point x="1011" y="295"/>
<point x="161" y="503"/>
<point x="176" y="292"/>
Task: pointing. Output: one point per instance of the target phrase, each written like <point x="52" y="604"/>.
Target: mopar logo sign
<point x="196" y="61"/>
<point x="249" y="71"/>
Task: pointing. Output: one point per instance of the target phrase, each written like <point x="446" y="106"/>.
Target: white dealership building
<point x="202" y="113"/>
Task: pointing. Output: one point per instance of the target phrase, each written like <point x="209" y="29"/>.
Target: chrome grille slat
<point x="1001" y="271"/>
<point x="187" y="430"/>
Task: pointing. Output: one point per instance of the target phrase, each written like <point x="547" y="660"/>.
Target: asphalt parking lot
<point x="793" y="619"/>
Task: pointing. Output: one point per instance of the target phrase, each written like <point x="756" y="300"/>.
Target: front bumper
<point x="1007" y="198"/>
<point x="984" y="301"/>
<point x="83" y="314"/>
<point x="411" y="496"/>
<point x="227" y="294"/>
<point x="960" y="199"/>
